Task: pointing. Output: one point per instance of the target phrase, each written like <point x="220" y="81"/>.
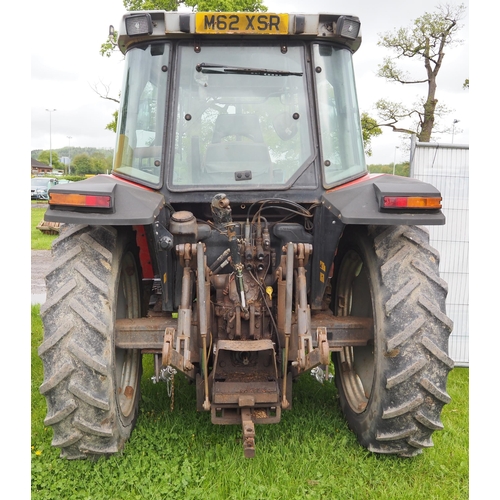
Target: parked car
<point x="40" y="187"/>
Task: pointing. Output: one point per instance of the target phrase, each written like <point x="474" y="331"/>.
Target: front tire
<point x="392" y="392"/>
<point x="92" y="389"/>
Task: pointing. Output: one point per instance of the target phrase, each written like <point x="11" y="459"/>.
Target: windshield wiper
<point x="220" y="69"/>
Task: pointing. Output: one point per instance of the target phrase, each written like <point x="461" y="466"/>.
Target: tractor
<point x="241" y="242"/>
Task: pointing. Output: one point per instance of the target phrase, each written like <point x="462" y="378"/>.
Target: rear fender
<point x="131" y="204"/>
<point x="358" y="203"/>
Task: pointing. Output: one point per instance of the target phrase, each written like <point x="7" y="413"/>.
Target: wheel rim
<point x="356" y="364"/>
<point x="127" y="361"/>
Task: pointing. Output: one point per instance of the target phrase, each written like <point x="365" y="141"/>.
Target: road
<point x="40" y="265"/>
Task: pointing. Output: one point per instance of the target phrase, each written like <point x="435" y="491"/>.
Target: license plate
<point x="248" y="23"/>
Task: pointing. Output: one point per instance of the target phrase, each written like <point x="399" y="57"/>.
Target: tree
<point x="97" y="163"/>
<point x="100" y="164"/>
<point x="113" y="123"/>
<point x="226" y="5"/>
<point x="45" y="155"/>
<point x="426" y="41"/>
<point x="370" y="129"/>
<point x="81" y="164"/>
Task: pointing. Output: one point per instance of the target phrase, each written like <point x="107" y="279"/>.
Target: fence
<point x="446" y="166"/>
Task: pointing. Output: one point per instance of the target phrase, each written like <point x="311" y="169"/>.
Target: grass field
<point x="39" y="240"/>
<point x="311" y="454"/>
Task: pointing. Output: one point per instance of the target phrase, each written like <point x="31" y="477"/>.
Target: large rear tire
<point x="91" y="387"/>
<point x="392" y="392"/>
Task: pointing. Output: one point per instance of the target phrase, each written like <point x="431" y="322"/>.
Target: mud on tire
<point x="91" y="388"/>
<point x="392" y="392"/>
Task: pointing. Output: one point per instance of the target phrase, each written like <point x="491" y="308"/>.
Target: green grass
<point x="39" y="240"/>
<point x="402" y="169"/>
<point x="310" y="454"/>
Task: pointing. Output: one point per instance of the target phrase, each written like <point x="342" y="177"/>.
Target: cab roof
<point x="140" y="26"/>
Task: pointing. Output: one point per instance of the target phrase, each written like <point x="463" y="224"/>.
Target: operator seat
<point x="237" y="146"/>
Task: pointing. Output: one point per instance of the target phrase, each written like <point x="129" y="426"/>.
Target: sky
<point x="66" y="68"/>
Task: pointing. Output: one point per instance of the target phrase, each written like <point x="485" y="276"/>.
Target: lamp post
<point x="69" y="154"/>
<point x="394" y="164"/>
<point x="453" y="130"/>
<point x="50" y="135"/>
